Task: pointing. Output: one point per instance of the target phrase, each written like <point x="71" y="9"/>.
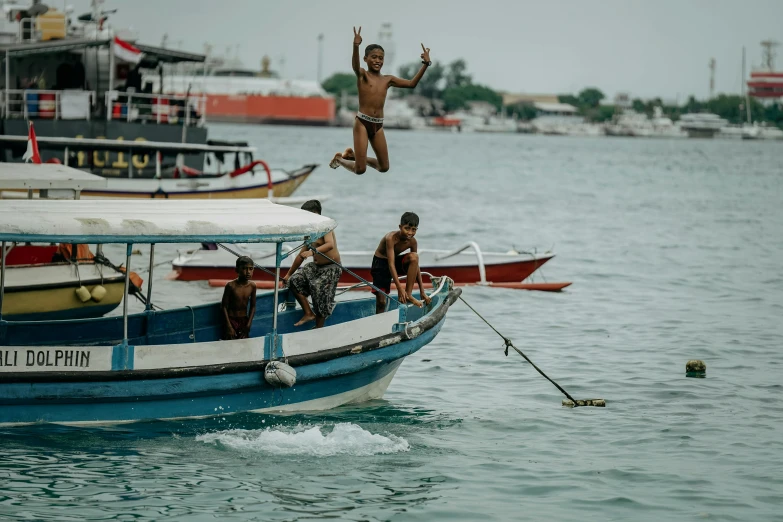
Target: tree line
<point x="453" y="88"/>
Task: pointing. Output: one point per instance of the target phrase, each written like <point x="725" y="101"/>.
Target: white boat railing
<point x="479" y="258"/>
<point x="48" y="104"/>
<point x="38" y="28"/>
<point x="157" y="108"/>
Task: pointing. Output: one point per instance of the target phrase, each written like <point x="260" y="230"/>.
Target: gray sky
<point x="645" y="47"/>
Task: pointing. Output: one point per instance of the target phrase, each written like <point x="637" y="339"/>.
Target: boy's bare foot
<point x="348" y="154"/>
<point x="305" y="318"/>
<point x="412" y="300"/>
<point x="336" y="160"/>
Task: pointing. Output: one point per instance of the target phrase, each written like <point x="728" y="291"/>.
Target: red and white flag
<point x="32" y="147"/>
<point x="126" y="52"/>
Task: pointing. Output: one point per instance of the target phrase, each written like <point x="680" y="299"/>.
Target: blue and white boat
<point x="172" y="364"/>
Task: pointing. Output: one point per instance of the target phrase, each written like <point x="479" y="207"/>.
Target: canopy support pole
<point x="128" y="251"/>
<point x="278" y="259"/>
<point x="110" y="91"/>
<point x="149" y="277"/>
<point x="8" y="82"/>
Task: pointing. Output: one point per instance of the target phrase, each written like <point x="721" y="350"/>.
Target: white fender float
<point x="279" y="374"/>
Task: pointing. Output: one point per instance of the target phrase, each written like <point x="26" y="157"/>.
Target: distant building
<point x="425" y="106"/>
<point x="622" y="100"/>
<point x="554" y="109"/>
<point x="510" y="99"/>
<point x="482" y="108"/>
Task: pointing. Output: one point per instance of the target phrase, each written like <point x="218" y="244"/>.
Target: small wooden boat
<point x="233" y="172"/>
<point x="52" y="291"/>
<point x="465" y="265"/>
<point x="36" y="286"/>
<point x="171" y="363"/>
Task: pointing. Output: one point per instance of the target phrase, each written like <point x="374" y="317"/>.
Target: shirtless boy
<point x="368" y="125"/>
<point x="387" y="264"/>
<point x="317" y="279"/>
<point x="238" y="294"/>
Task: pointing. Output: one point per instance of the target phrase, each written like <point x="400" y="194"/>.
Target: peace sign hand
<point x="425" y="56"/>
<point x="357" y="36"/>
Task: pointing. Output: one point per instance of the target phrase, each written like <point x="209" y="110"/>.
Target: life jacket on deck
<point x="65" y="253"/>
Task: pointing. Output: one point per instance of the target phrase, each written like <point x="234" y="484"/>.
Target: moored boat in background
<point x="465" y="265"/>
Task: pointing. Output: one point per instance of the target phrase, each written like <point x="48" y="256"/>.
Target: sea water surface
<point x="675" y="249"/>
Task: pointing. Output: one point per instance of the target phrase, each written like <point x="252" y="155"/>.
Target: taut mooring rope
<point x="508" y="343"/>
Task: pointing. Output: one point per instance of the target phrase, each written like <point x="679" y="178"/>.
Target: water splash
<point x="343" y="439"/>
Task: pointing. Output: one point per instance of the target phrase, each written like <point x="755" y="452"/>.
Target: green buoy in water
<point x="695" y="368"/>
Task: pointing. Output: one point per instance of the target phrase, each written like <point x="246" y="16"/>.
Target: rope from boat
<point x="510" y="344"/>
<point x="100" y="259"/>
<point x="364" y="281"/>
<point x="147" y="269"/>
<point x="76" y="265"/>
<point x="353" y="274"/>
<point x="224" y="247"/>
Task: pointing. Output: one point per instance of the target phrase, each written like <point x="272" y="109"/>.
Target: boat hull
<point x="246" y="186"/>
<point x="59" y="303"/>
<point x="104" y="163"/>
<point x="48" y="292"/>
<point x="218" y="264"/>
<point x="319" y="386"/>
<point x="353" y="360"/>
<point x="542" y="287"/>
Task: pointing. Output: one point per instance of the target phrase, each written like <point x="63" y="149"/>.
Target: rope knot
<point x="508" y="343"/>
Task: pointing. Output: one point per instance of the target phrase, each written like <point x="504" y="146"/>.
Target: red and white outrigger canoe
<point x="467" y="265"/>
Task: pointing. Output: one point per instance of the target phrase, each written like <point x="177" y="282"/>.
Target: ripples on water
<point x="675" y="250"/>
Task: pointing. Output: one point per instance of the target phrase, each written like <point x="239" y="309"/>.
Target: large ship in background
<point x="65" y="73"/>
<point x="81" y="83"/>
<point x="765" y="83"/>
<point x="236" y="94"/>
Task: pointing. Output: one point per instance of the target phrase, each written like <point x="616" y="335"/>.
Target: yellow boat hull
<point x="59" y="303"/>
<point x="205" y="188"/>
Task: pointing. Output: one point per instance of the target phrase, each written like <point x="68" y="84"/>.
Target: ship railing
<point x="47" y="104"/>
<point x="42" y="28"/>
<point x="156" y="108"/>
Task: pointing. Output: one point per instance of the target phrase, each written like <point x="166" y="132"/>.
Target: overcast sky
<point x="645" y="47"/>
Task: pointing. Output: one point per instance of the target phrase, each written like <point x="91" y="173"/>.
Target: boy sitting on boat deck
<point x="387" y="263"/>
<point x="238" y="296"/>
<point x="317" y="279"/>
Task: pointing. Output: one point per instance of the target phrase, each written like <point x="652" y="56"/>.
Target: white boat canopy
<point x="29" y="176"/>
<point x="158" y="221"/>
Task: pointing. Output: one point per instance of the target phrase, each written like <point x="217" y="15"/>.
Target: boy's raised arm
<point x="402" y="83"/>
<point x="357" y="41"/>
